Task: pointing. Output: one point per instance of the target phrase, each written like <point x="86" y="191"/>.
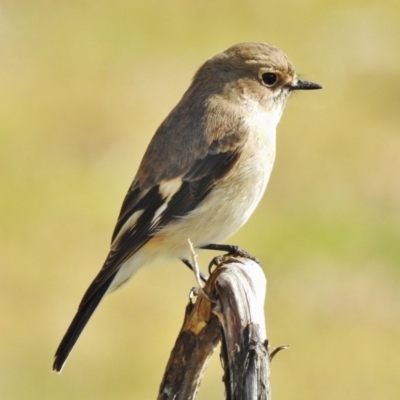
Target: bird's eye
<point x="269" y="78"/>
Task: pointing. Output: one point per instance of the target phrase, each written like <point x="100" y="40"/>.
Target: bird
<point x="203" y="173"/>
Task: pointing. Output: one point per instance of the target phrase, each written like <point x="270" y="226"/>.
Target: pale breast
<point x="234" y="199"/>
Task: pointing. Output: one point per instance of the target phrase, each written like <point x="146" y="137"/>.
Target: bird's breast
<point x="247" y="182"/>
<point x="234" y="198"/>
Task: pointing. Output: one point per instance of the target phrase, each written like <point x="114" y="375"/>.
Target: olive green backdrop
<point x="84" y="85"/>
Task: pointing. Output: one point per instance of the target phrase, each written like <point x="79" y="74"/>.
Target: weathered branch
<point x="241" y="292"/>
<point x="230" y="308"/>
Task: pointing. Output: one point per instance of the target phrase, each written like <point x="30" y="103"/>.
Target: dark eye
<point x="269" y="79"/>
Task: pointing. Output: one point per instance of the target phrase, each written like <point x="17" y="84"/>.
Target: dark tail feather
<point x="89" y="303"/>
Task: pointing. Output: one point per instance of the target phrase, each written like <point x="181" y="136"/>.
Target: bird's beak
<point x="304" y="85"/>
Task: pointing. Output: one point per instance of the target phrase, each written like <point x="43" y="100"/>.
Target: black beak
<point x="305" y="85"/>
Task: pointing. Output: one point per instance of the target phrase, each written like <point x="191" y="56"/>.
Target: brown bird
<point x="204" y="172"/>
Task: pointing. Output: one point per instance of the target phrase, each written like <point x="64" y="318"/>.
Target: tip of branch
<point x="277" y="350"/>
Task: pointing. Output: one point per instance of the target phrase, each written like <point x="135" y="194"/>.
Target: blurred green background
<point x="84" y="85"/>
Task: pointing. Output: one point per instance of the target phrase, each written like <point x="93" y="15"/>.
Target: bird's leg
<point x="231" y="250"/>
<point x="191" y="267"/>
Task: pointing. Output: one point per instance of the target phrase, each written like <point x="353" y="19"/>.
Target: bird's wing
<point x="146" y="211"/>
<point x="179" y="169"/>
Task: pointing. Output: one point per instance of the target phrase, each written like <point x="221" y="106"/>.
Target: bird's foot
<point x="231" y="250"/>
<point x="189" y="264"/>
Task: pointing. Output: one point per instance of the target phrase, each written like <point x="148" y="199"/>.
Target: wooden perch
<point x="230" y="309"/>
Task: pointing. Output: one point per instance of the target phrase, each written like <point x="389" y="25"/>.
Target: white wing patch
<point x="130" y="223"/>
<point x="158" y="213"/>
<point x="167" y="190"/>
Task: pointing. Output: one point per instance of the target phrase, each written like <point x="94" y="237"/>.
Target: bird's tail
<point x="85" y="311"/>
